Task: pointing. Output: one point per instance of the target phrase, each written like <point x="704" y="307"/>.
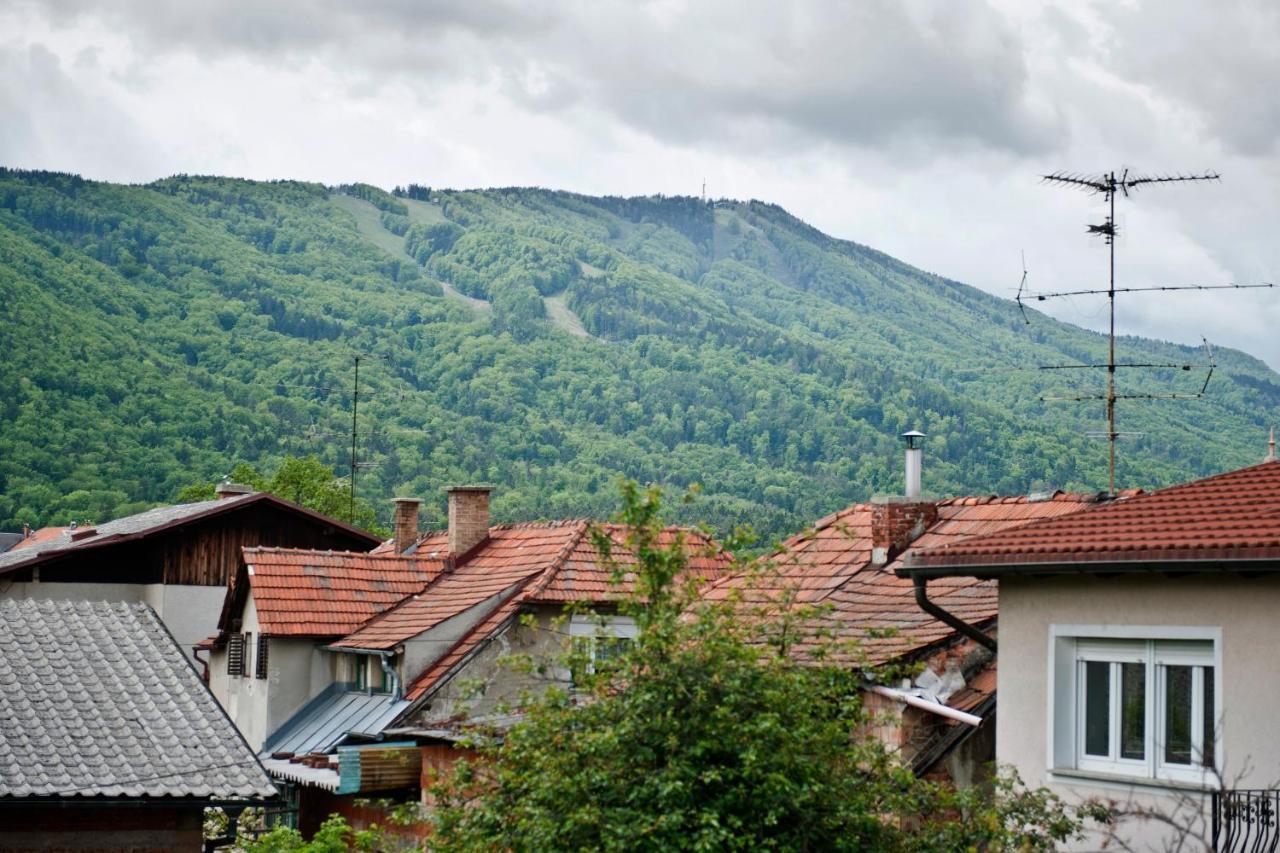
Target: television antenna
<point x="355" y="432"/>
<point x="1109" y="185"/>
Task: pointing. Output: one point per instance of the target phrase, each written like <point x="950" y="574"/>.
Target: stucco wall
<point x="1245" y="612"/>
<point x="297" y="671"/>
<point x="488" y="681"/>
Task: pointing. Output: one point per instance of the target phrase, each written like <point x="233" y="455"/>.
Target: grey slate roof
<point x="98" y="700"/>
<point x="8" y="540"/>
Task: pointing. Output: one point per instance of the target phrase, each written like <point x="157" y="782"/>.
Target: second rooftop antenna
<point x="1109" y="185"/>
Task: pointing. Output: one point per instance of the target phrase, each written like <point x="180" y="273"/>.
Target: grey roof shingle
<point x="98" y="700"/>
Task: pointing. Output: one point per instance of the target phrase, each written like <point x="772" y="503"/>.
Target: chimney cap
<point x="406" y="500"/>
<point x="912" y="436"/>
<point x="227" y="489"/>
<point x="476" y="487"/>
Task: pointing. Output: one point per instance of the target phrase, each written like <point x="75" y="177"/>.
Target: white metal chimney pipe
<point x="914" y="454"/>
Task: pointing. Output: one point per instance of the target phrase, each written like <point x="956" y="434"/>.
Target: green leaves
<point x="703" y="738"/>
<point x="157" y="335"/>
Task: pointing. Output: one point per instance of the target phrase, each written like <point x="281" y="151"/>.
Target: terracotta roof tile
<point x="299" y="592"/>
<point x="40" y="537"/>
<point x="830" y="567"/>
<point x="1229" y="516"/>
<point x="556" y="562"/>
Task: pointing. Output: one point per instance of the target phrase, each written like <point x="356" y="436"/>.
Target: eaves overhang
<point x="977" y="567"/>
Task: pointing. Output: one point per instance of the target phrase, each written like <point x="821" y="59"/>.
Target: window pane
<point x="1210" y="721"/>
<point x="1097" y="708"/>
<point x="1177" y="714"/>
<point x="1133" y="710"/>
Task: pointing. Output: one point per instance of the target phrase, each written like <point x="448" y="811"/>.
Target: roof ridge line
<point x="557" y="562"/>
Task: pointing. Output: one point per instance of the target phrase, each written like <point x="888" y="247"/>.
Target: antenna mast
<point x="1109" y="185"/>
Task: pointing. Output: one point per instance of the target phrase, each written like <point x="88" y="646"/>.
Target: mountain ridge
<point x="544" y="340"/>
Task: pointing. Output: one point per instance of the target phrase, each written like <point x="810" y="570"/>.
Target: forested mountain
<point x="155" y="336"/>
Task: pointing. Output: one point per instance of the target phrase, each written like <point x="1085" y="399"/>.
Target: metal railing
<point x="1246" y="821"/>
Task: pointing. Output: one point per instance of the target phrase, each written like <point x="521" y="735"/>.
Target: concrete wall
<point x="489" y="681"/>
<point x="297" y="671"/>
<point x="1245" y="611"/>
<point x="428" y="647"/>
<point x="189" y="612"/>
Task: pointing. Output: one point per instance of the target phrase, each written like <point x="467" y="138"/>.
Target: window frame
<point x="586" y="628"/>
<point x="1157" y="648"/>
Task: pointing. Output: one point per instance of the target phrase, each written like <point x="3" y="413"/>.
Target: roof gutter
<point x="950" y="619"/>
<point x="1090" y="567"/>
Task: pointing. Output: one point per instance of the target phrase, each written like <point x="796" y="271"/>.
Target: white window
<point x="1136" y="707"/>
<point x="605" y="639"/>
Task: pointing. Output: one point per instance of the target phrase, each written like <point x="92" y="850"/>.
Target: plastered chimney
<point x="468" y="517"/>
<point x="406" y="522"/>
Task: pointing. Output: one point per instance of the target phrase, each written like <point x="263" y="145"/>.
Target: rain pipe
<point x="922" y="599"/>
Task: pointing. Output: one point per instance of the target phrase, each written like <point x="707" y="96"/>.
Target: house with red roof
<point x="337" y="665"/>
<point x="838" y="581"/>
<point x="1136" y="639"/>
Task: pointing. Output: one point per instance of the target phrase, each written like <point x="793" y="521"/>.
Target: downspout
<point x="195" y="653"/>
<point x="384" y="658"/>
<point x="922" y="599"/>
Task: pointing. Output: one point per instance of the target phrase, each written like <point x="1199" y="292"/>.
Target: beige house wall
<point x="1246" y="612"/>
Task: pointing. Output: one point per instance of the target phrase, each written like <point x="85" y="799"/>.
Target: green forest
<point x="160" y="335"/>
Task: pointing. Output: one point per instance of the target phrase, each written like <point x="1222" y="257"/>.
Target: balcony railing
<point x="1246" y="821"/>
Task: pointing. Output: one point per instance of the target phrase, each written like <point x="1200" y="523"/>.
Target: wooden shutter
<point x="235" y="654"/>
<point x="260" y="666"/>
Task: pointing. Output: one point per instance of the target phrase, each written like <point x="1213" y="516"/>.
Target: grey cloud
<point x="759" y="75"/>
<point x="51" y="121"/>
<point x="1219" y="61"/>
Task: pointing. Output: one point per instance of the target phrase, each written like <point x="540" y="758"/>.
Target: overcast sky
<point x="918" y="128"/>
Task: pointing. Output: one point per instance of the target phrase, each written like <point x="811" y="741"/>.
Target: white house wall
<point x="297" y="671"/>
<point x="488" y="682"/>
<point x="1243" y="610"/>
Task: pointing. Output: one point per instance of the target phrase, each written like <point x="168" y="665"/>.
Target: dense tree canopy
<point x="307" y="482"/>
<point x="546" y="342"/>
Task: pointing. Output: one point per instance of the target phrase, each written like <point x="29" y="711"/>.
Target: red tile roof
<point x="581" y="577"/>
<point x="517" y="565"/>
<point x="509" y="557"/>
<point x="829" y="568"/>
<point x="40" y="537"/>
<point x="1231" y="516"/>
<point x="304" y="593"/>
<point x="980" y="688"/>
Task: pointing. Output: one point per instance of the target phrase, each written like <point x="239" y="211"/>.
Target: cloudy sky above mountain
<point x="919" y="128"/>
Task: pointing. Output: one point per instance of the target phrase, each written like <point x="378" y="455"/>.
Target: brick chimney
<point x="895" y="524"/>
<point x="406" y="522"/>
<point x="226" y="490"/>
<point x="468" y="517"/>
